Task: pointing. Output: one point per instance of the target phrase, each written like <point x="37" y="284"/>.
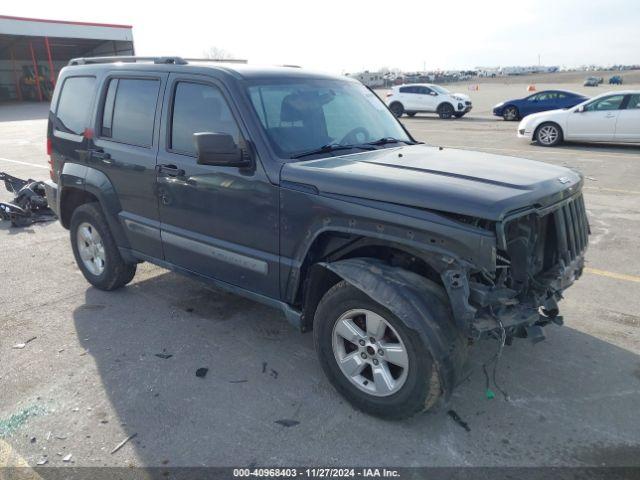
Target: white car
<point x="426" y="97"/>
<point x="610" y="117"/>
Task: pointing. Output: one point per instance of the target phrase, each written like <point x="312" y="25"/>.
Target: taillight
<point x="49" y="154"/>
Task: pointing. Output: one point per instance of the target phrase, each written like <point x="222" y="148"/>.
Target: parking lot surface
<point x="104" y="366"/>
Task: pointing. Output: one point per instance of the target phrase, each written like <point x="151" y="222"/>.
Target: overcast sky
<point x="350" y="35"/>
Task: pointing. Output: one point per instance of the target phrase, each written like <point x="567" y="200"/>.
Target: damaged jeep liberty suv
<point x="304" y="192"/>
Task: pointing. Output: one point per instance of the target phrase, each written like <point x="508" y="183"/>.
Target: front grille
<point x="572" y="229"/>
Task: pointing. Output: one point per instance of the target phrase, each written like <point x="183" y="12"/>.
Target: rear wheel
<point x="548" y="135"/>
<point x="511" y="113"/>
<point x="397" y="109"/>
<point x="371" y="357"/>
<point x="95" y="249"/>
<point x="446" y="111"/>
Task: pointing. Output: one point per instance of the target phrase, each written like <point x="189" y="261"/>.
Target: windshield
<point x="439" y="89"/>
<point x="308" y="115"/>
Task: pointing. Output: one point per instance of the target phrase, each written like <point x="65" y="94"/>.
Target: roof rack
<point x="156" y="60"/>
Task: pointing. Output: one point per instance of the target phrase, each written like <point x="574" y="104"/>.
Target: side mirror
<point x="219" y="149"/>
<point x="580" y="109"/>
<point x="435" y="94"/>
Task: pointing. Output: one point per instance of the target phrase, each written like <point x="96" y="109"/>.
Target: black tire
<point x="446" y="111"/>
<point x="397" y="109"/>
<point x="421" y="387"/>
<point x="511" y="113"/>
<point x="116" y="272"/>
<point x="411" y="114"/>
<point x="545" y="136"/>
<point x="459" y="114"/>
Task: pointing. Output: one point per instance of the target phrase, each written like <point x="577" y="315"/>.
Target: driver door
<point x="597" y="122"/>
<point x="220" y="222"/>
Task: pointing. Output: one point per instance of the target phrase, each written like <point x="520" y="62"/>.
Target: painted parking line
<point x="616" y="190"/>
<point x="617" y="276"/>
<point x="17" y="467"/>
<point x="554" y="152"/>
<point x="23" y="163"/>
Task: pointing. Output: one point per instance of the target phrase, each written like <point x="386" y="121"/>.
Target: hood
<point x="546" y="115"/>
<point x="449" y="180"/>
<point x="461" y="95"/>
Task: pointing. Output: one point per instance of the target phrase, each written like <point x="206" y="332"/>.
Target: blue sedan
<point x="538" y="102"/>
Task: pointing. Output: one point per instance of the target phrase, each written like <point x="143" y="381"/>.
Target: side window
<point x="72" y="115"/>
<point x="424" y="90"/>
<point x="561" y="95"/>
<point x="634" y="102"/>
<point x="199" y="108"/>
<point x="607" y="103"/>
<point x="533" y="98"/>
<point x="129" y="111"/>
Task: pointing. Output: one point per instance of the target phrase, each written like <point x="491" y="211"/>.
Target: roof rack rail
<point x="221" y="60"/>
<point x="129" y="59"/>
<point x="157" y="60"/>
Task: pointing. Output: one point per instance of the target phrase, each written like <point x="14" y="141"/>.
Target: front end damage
<point x="539" y="254"/>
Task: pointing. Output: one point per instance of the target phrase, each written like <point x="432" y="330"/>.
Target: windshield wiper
<point x="331" y="147"/>
<point x="388" y="140"/>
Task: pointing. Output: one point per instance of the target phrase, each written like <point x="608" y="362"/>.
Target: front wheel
<point x="446" y="111"/>
<point x="548" y="135"/>
<point x="95" y="249"/>
<point x="511" y="114"/>
<point x="371" y="357"/>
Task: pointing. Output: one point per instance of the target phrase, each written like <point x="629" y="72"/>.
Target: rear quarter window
<point x="74" y="106"/>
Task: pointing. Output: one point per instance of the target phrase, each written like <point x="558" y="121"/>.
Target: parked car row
<point x="548" y="117"/>
<point x="610" y="117"/>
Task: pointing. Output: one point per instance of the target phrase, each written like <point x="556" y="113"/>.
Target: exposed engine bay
<point x="539" y="255"/>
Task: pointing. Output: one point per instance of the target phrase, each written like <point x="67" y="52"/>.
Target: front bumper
<point x="51" y="189"/>
<point x="464" y="107"/>
<point x="525" y="133"/>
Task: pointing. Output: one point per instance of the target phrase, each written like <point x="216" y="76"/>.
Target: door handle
<point x="170" y="170"/>
<point x="99" y="155"/>
<point x="610" y="115"/>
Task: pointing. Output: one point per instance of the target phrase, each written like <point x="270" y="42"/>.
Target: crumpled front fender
<point x="420" y="303"/>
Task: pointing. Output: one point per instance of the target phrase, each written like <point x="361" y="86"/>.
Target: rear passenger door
<point x="217" y="221"/>
<point x="125" y="149"/>
<point x="628" y="125"/>
<point x="409" y="98"/>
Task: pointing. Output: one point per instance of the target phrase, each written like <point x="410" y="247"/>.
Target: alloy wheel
<point x="91" y="248"/>
<point x="548" y="134"/>
<point x="370" y="353"/>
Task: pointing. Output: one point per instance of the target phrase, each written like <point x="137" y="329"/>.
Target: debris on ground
<point x="42" y="461"/>
<point x="123" y="443"/>
<point x="33" y="440"/>
<point x="244" y="380"/>
<point x="29" y="204"/>
<point x="456" y="418"/>
<point x="164" y="356"/>
<point x="201" y="372"/>
<point x="20" y="346"/>
<point x="67" y="458"/>
<point x="287" y="423"/>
